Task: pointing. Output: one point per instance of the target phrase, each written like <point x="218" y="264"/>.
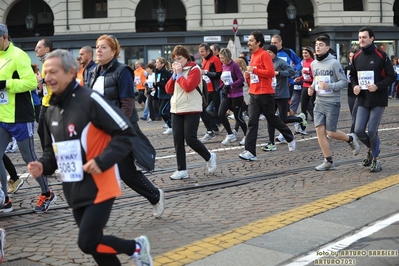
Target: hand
<point x="92" y="168"/>
<point x="246" y="74"/>
<point x="310" y="91"/>
<point x="35" y="168"/>
<point x="250" y="68"/>
<point x="297" y="80"/>
<point x="177" y="68"/>
<point x="226" y="89"/>
<point x="323" y="85"/>
<point x="372" y="87"/>
<point x="276" y="73"/>
<point x="356" y="90"/>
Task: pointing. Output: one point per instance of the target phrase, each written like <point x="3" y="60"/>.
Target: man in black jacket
<point x="371" y="75"/>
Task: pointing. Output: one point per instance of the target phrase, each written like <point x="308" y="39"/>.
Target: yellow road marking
<point x="211" y="245"/>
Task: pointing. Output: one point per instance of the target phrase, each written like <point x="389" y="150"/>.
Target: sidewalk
<point x="282" y="246"/>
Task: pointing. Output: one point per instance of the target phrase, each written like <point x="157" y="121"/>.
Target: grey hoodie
<point x="331" y="70"/>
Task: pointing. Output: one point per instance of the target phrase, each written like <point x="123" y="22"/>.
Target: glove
<point x="2" y="84"/>
<point x="226" y="89"/>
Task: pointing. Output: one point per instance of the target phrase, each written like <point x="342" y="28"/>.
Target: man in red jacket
<point x="259" y="75"/>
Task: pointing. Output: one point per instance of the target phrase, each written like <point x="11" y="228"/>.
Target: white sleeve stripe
<point x="114" y="115"/>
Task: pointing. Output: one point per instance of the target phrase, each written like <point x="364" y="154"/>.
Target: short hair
<point x="112" y="43"/>
<point x="216" y="46"/>
<point x="323" y="38"/>
<point x="205" y="45"/>
<point x="182" y="51"/>
<point x="47" y="43"/>
<point x="277" y="36"/>
<point x="88" y="49"/>
<point x="369" y="30"/>
<point x="67" y="60"/>
<point x="226" y="53"/>
<point x="259" y="37"/>
<point x="35" y="68"/>
<point x="151" y="66"/>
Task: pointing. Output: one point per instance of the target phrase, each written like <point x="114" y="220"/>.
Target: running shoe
<point x="13" y="186"/>
<point x="246" y="155"/>
<point x="7" y="206"/>
<point x="43" y="202"/>
<point x="178" y="175"/>
<point x="292" y="145"/>
<point x="242" y="142"/>
<point x="160" y="206"/>
<point x="229" y="139"/>
<point x="212" y="164"/>
<point x="142" y="256"/>
<point x="325" y="166"/>
<point x="2" y="243"/>
<point x="280" y="139"/>
<point x="369" y="158"/>
<point x="207" y="137"/>
<point x="269" y="147"/>
<point x="12" y="146"/>
<point x="375" y="166"/>
<point x="168" y="132"/>
<point x="354" y="144"/>
<point x="303" y="123"/>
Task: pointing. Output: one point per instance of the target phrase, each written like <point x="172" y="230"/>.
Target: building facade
<point x="149" y="29"/>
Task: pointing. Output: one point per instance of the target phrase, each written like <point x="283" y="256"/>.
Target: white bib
<point x="206" y="78"/>
<point x="226" y="77"/>
<point x="254" y="78"/>
<point x="69" y="160"/>
<point x="3" y="96"/>
<point x="99" y="85"/>
<point x="365" y="78"/>
<point x="45" y="92"/>
<point x="325" y="79"/>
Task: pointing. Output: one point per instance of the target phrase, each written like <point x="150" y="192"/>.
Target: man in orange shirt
<point x="259" y="75"/>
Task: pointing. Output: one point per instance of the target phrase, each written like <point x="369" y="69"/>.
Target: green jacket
<point x="16" y="105"/>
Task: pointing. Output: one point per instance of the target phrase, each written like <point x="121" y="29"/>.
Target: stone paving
<point x="284" y="181"/>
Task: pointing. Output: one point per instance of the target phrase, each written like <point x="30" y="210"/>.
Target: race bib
<point x="274" y="82"/>
<point x="226" y="77"/>
<point x="325" y="79"/>
<point x="306" y="73"/>
<point x="348" y="75"/>
<point x="137" y="79"/>
<point x="69" y="160"/>
<point x="365" y="78"/>
<point x="3" y="96"/>
<point x="99" y="85"/>
<point x="254" y="78"/>
<point x="206" y="78"/>
<point x="45" y="92"/>
<point x="297" y="87"/>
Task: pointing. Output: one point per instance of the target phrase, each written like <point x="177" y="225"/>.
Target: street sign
<point x="235" y="26"/>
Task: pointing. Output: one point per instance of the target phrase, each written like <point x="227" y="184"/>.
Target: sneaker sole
<point x="180" y="178"/>
<point x="7" y="210"/>
<point x="332" y="168"/>
<point x="161" y="199"/>
<point x="246" y="159"/>
<point x="147" y="249"/>
<point x="264" y="149"/>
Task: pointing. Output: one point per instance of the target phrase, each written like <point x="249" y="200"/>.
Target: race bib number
<point x="325" y="79"/>
<point x="69" y="160"/>
<point x="45" y="91"/>
<point x="226" y="77"/>
<point x="99" y="85"/>
<point x="306" y="73"/>
<point x="348" y="76"/>
<point x="206" y="78"/>
<point x="3" y="96"/>
<point x="297" y="87"/>
<point x="137" y="79"/>
<point x="254" y="78"/>
<point x="365" y="78"/>
<point x="274" y="82"/>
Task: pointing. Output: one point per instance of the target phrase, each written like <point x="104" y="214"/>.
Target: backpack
<point x="204" y="93"/>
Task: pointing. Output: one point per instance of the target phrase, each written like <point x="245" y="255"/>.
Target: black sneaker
<point x="43" y="202"/>
<point x="369" y="158"/>
<point x="7" y="207"/>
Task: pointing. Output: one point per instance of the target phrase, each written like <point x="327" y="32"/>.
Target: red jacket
<point x="264" y="69"/>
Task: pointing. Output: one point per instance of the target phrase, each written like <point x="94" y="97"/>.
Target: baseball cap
<point x="3" y="29"/>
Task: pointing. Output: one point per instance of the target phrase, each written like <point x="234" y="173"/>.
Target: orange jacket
<point x="264" y="69"/>
<point x="139" y="78"/>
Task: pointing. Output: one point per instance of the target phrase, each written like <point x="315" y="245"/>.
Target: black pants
<point x="185" y="128"/>
<point x="307" y="102"/>
<point x="258" y="104"/>
<point x="234" y="104"/>
<point x="282" y="107"/>
<point x="91" y="221"/>
<point x="10" y="167"/>
<point x="353" y="105"/>
<point x="164" y="109"/>
<point x="209" y="116"/>
<point x="40" y="127"/>
<point x="153" y="107"/>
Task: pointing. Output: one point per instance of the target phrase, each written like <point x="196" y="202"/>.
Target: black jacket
<point x="104" y="134"/>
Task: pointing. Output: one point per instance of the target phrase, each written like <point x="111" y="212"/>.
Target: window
<point x="95" y="8"/>
<point x="226" y="6"/>
<point x="353" y="5"/>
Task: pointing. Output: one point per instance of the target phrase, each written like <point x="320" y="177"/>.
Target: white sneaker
<point x="212" y="164"/>
<point x="158" y="208"/>
<point x="165" y="126"/>
<point x="12" y="146"/>
<point x="178" y="175"/>
<point x="207" y="137"/>
<point x="168" y="132"/>
<point x="280" y="139"/>
<point x="262" y="117"/>
<point x="246" y="155"/>
<point x="229" y="139"/>
<point x="142" y="257"/>
<point x="231" y="117"/>
<point x="292" y="145"/>
<point x="242" y="142"/>
<point x="235" y="132"/>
